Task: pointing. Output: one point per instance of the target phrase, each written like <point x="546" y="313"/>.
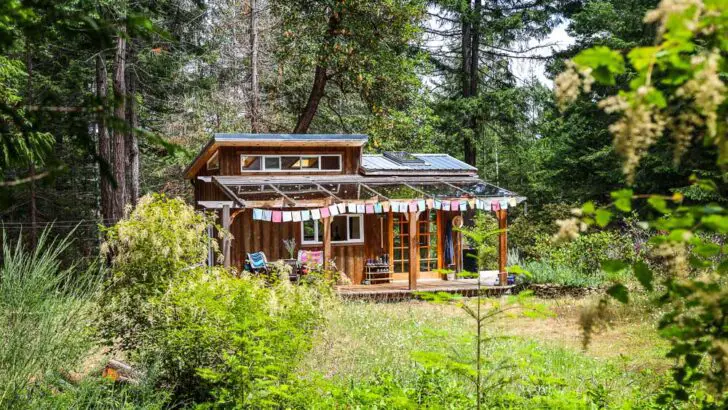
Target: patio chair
<point x="257" y="262"/>
<point x="307" y="259"/>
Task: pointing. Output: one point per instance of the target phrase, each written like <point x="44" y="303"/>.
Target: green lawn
<point x="540" y="361"/>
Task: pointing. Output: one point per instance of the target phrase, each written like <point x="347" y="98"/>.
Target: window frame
<point x="215" y="158"/>
<point x="348" y="233"/>
<point x="300" y="157"/>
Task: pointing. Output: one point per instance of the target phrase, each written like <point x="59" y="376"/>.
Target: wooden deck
<point x="399" y="290"/>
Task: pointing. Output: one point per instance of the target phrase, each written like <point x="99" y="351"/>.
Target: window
<point x="272" y="163"/>
<point x="288" y="163"/>
<point x="214" y="162"/>
<point x="400" y="247"/>
<point x="344" y="229"/>
<point x="250" y="163"/>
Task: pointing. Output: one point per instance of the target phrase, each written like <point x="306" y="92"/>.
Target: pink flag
<point x="494" y="206"/>
<point x="325" y="212"/>
<point x="454" y="205"/>
<point x="370" y="209"/>
<point x="277" y="216"/>
<point x="413" y="206"/>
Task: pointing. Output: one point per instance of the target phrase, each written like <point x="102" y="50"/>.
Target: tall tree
<point x="471" y="45"/>
<point x="254" y="89"/>
<point x="357" y="46"/>
<point x="118" y="139"/>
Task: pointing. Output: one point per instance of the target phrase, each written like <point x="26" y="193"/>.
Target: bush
<point x="234" y="339"/>
<point x="525" y="230"/>
<point x="45" y="316"/>
<point x="159" y="242"/>
<point x="586" y="253"/>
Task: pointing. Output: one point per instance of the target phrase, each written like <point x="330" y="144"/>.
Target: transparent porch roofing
<point x="314" y="192"/>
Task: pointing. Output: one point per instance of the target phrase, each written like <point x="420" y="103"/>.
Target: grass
<point x="544" y="360"/>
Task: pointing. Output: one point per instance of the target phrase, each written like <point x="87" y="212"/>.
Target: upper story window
<point x="288" y="163"/>
<point x="214" y="162"/>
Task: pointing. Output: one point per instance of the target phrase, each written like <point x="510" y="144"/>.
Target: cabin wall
<point x="253" y="236"/>
<point x="230" y="159"/>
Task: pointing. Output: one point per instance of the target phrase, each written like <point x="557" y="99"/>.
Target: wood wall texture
<point x="254" y="236"/>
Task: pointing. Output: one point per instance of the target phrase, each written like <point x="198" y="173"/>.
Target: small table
<point x="377" y="272"/>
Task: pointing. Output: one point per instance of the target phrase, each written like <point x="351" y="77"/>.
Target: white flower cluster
<point x="637" y="129"/>
<point x="571" y="82"/>
<point x="666" y="8"/>
<point x="569" y="229"/>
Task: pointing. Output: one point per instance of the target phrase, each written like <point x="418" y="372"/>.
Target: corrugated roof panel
<point x="432" y="162"/>
<point x="289" y="137"/>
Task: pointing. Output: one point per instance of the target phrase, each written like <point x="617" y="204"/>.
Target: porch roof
<point x="309" y="191"/>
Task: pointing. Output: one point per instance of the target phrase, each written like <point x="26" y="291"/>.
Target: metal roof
<point x="233" y="137"/>
<point x="432" y="163"/>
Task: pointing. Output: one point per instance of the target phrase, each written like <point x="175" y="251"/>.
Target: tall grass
<point x="45" y="316"/>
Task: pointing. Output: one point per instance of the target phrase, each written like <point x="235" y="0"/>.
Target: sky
<point x="524" y="69"/>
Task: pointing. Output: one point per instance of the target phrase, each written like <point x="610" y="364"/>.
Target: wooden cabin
<point x="395" y="210"/>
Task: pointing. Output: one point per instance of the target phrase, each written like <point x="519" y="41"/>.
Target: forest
<point x="609" y="116"/>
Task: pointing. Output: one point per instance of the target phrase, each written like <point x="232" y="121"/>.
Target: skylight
<point x="403" y="157"/>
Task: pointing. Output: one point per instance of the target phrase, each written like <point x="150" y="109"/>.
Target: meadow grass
<point x="542" y="360"/>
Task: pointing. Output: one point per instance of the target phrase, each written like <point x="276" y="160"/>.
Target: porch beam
<point x="226" y="237"/>
<point x="326" y="222"/>
<point x="372" y="190"/>
<point x="414" y="251"/>
<point x="501" y="215"/>
<point x="331" y="194"/>
<point x="285" y="197"/>
<point x="418" y="190"/>
<point x="227" y="191"/>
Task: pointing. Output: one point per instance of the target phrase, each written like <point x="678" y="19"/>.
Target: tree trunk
<point x="119" y="134"/>
<point x="132" y="141"/>
<point x="471" y="152"/>
<point x="317" y="92"/>
<point x="319" y="82"/>
<point x="31" y="168"/>
<point x="105" y="185"/>
<point x="254" y="127"/>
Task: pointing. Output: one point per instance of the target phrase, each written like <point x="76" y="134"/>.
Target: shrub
<point x="585" y="254"/>
<point x="525" y="230"/>
<point x="45" y="315"/>
<point x="160" y="240"/>
<point x="235" y="338"/>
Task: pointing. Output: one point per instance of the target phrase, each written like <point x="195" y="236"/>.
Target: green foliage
<point x="232" y="339"/>
<point x="678" y="90"/>
<point x="526" y="232"/>
<point x="585" y="254"/>
<point x="483" y="237"/>
<point x="99" y="392"/>
<point x="46" y="312"/>
<point x="162" y="240"/>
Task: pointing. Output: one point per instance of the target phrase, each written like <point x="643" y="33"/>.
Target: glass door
<point x="400" y="239"/>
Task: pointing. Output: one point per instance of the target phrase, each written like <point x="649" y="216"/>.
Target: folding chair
<point x="257" y="262"/>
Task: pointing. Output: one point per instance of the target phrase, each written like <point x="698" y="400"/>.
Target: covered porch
<point x="387" y="234"/>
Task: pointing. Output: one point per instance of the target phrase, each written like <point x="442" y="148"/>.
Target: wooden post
<point x="501" y="215"/>
<point x="226" y="238"/>
<point x="414" y="250"/>
<point x="390" y="240"/>
<point x="440" y="248"/>
<point x="326" y="222"/>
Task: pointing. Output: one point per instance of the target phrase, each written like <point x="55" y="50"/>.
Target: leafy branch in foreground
<point x="676" y="90"/>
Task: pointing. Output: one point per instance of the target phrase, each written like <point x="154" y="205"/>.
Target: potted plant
<point x="290" y="245"/>
<point x="447" y="274"/>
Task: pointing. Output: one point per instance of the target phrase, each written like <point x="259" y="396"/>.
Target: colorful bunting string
<point x="494" y="204"/>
